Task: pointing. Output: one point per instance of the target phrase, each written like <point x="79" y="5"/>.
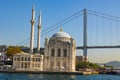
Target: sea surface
<point x="23" y="76"/>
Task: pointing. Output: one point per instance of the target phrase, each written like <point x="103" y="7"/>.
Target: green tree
<point x="13" y="50"/>
<point x="82" y="65"/>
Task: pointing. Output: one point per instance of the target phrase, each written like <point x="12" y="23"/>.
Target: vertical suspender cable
<point x="117" y="33"/>
<point x="90" y="31"/>
<point x="103" y="32"/>
<point x="97" y="31"/>
<point x="110" y="34"/>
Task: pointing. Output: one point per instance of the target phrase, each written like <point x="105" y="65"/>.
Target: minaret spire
<point x="39" y="19"/>
<point x="39" y="32"/>
<point x="33" y="12"/>
<point x="32" y="29"/>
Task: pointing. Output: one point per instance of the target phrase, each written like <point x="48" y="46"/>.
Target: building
<point x="79" y="58"/>
<point x="3" y="57"/>
<point x="60" y="52"/>
<point x="28" y="62"/>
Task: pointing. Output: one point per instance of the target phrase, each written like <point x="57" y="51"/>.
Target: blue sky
<point x="15" y="16"/>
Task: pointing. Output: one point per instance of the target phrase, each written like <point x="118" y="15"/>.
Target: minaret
<point x="39" y="33"/>
<point x="32" y="30"/>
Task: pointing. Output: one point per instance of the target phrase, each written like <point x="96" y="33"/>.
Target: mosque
<point x="59" y="54"/>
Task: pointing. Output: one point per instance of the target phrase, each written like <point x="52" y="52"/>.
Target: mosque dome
<point x="61" y="33"/>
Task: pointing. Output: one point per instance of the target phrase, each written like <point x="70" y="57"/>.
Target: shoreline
<point x="46" y="72"/>
<point x="64" y="73"/>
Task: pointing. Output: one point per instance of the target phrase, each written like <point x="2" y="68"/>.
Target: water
<point x="21" y="76"/>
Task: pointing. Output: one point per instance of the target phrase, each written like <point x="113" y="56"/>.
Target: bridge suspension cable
<point x="103" y="29"/>
<point x="57" y="25"/>
<point x="108" y="30"/>
<point x="104" y="15"/>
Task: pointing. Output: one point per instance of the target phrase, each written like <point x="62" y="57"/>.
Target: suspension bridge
<point x="99" y="30"/>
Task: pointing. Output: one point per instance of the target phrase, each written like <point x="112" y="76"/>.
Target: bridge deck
<point x="97" y="47"/>
<point x="88" y="47"/>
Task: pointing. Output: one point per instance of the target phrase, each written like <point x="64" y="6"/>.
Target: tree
<point x="13" y="50"/>
<point x="82" y="65"/>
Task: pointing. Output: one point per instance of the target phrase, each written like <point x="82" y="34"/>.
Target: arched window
<point x="52" y="52"/>
<point x="32" y="59"/>
<point x="15" y="58"/>
<point x="38" y="59"/>
<point x="21" y="65"/>
<point x="58" y="53"/>
<point x="18" y="59"/>
<point x="22" y="58"/>
<point x="25" y="58"/>
<point x="65" y="53"/>
<point x="25" y="65"/>
<point x="28" y="58"/>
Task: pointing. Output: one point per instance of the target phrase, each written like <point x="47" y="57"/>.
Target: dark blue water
<point x="20" y="76"/>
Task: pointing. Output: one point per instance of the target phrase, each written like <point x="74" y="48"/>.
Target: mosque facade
<point x="60" y="52"/>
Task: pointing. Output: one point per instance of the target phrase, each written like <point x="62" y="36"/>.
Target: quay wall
<point x="43" y="72"/>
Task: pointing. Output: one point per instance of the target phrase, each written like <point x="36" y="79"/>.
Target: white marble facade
<point x="60" y="53"/>
<point x="28" y="62"/>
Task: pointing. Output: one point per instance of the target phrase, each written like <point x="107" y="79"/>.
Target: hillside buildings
<point x="3" y="56"/>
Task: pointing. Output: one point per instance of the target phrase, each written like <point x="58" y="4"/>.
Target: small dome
<point x="61" y="34"/>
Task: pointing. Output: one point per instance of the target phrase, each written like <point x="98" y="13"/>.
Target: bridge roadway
<point x="81" y="47"/>
<point x="94" y="47"/>
<point x="97" y="47"/>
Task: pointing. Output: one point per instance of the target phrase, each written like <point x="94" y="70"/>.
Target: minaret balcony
<point x="32" y="21"/>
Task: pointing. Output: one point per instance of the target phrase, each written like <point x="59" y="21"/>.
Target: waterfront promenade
<point x="113" y="71"/>
<point x="45" y="72"/>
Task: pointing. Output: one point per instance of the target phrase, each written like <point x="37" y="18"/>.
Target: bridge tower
<point x="85" y="34"/>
